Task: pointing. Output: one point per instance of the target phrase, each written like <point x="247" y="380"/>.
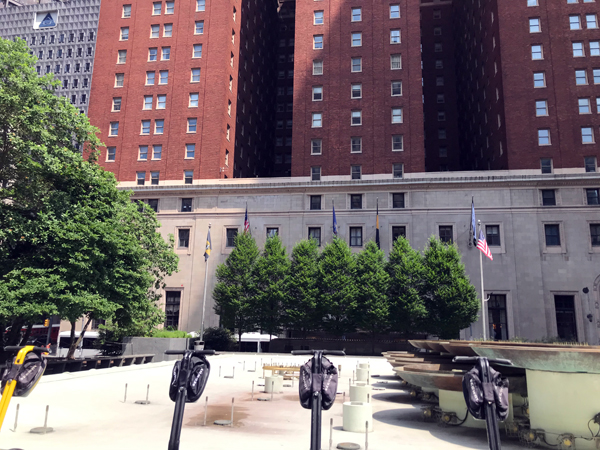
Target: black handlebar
<point x="324" y="352"/>
<point x="16" y="348"/>
<point x="194" y="352"/>
<point x="506" y="362"/>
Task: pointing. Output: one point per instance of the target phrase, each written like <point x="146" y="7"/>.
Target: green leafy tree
<point x="271" y="271"/>
<point x="300" y="304"/>
<point x="71" y="243"/>
<point x="337" y="290"/>
<point x="371" y="312"/>
<point x="405" y="269"/>
<point x="449" y="296"/>
<point x="235" y="292"/>
<point x="219" y="339"/>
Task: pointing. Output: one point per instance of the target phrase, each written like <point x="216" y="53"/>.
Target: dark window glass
<point x="552" y="235"/>
<point x="231" y="234"/>
<point x="565" y="317"/>
<point x="355" y="172"/>
<point x="315" y="233"/>
<point x="272" y="232"/>
<point x="590" y="163"/>
<point x="398" y="200"/>
<point x="548" y="197"/>
<point x="595" y="233"/>
<point x="315" y="202"/>
<point x="497" y="317"/>
<point x="172" y="303"/>
<point x="398" y="231"/>
<point x="492" y="235"/>
<point x="356" y="237"/>
<point x="153" y="203"/>
<point x="186" y="205"/>
<point x="592" y="196"/>
<point x="356" y="201"/>
<point x="546" y="164"/>
<point x="184" y="237"/>
<point x="446" y="234"/>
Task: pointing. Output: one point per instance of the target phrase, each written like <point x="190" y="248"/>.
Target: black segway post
<point x="316" y="410"/>
<point x="489" y="401"/>
<point x="182" y="387"/>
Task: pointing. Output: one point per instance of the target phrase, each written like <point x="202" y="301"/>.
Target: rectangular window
<point x="396" y="115"/>
<point x="591" y="21"/>
<point x="543" y="137"/>
<point x="594" y="48"/>
<point x="145" y="127"/>
<point x="446" y="234"/>
<point x="593" y="196"/>
<point x="398" y="231"/>
<point x="355" y="201"/>
<point x="492" y="235"/>
<point x="192" y="125"/>
<point x="534" y="2"/>
<point x="595" y="234"/>
<point x="356" y="144"/>
<point x="534" y="25"/>
<point x="317" y="93"/>
<point x="190" y="150"/>
<point x="315" y="202"/>
<point x="124" y="33"/>
<point x="356" y="64"/>
<point x="395" y="62"/>
<point x="396" y="88"/>
<point x="356" y="14"/>
<point x="161" y="101"/>
<point x="150" y="78"/>
<point x="356" y="118"/>
<point x="154" y="31"/>
<point x="356" y="90"/>
<point x="546" y="165"/>
<point x="397" y="170"/>
<point x="356" y="239"/>
<point x="578" y="49"/>
<point x="147" y="102"/>
<point x="397" y="143"/>
<point x="394" y="36"/>
<point x="159" y="126"/>
<point x="195" y="76"/>
<point x="318" y="42"/>
<point x="116" y="105"/>
<point x="356" y="39"/>
<point x="197" y="51"/>
<point x="539" y="79"/>
<point x="184" y="237"/>
<point x="394" y="11"/>
<point x="141" y="178"/>
<point x="172" y="304"/>
<point x="156" y="8"/>
<point x="152" y="54"/>
<point x="188" y="176"/>
<point x="143" y="153"/>
<point x="166" y="54"/>
<point x="111" y="153"/>
<point x="272" y="232"/>
<point x="193" y="100"/>
<point x="154" y="178"/>
<point x="315" y="173"/>
<point x="398" y="200"/>
<point x="580" y="77"/>
<point x="199" y="28"/>
<point x="316" y="146"/>
<point x="156" y="152"/>
<point x="231" y="234"/>
<point x="122" y="58"/>
<point x="537" y="52"/>
<point x="317" y="67"/>
<point x="114" y="129"/>
<point x="186" y="205"/>
<point x="164" y="77"/>
<point x="596" y="73"/>
<point x="575" y="22"/>
<point x="355" y="172"/>
<point x="169" y="7"/>
<point x="541" y="108"/>
<point x="548" y="197"/>
<point x="587" y="135"/>
<point x="200" y="5"/>
<point x="168" y="30"/>
<point x="126" y="11"/>
<point x="590" y="164"/>
<point x="584" y="106"/>
<point x="552" y="232"/>
<point x="317" y="120"/>
<point x="318" y="18"/>
<point x="438" y="48"/>
<point x="315" y="233"/>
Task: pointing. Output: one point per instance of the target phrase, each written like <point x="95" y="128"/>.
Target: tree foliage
<point x="72" y="244"/>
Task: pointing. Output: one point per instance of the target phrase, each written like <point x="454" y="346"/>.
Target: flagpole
<point x="204" y="297"/>
<point x="483" y="315"/>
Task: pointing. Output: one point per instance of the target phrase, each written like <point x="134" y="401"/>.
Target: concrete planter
<point x="360" y="392"/>
<point x="356" y="414"/>
<point x="274" y="384"/>
<point x="362" y="374"/>
<point x="154" y="346"/>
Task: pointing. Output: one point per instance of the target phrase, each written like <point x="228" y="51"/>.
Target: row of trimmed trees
<point x="339" y="292"/>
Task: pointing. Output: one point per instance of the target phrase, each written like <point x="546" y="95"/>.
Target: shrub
<point x="218" y="339"/>
<point x="170" y="334"/>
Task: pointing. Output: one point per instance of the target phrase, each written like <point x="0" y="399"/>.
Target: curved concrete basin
<point x="437" y="346"/>
<point x="459" y="348"/>
<point x="422" y="344"/>
<point x="399" y="362"/>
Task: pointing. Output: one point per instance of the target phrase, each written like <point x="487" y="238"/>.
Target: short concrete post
<point x="147" y="393"/>
<point x="272" y="389"/>
<point x="353" y="375"/>
<point x="205" y="409"/>
<point x="232" y="401"/>
<point x="125" y="396"/>
<point x="219" y="371"/>
<point x="340" y="370"/>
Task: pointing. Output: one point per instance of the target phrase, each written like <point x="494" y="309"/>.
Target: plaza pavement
<point x="87" y="412"/>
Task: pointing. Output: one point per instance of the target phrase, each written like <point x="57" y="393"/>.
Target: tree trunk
<point x="27" y="334"/>
<point x="14" y="336"/>
<point x="373" y="336"/>
<point x="239" y="339"/>
<point x="71" y="354"/>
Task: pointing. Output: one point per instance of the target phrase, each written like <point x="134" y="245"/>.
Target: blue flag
<point x="334" y="223"/>
<point x="473" y="223"/>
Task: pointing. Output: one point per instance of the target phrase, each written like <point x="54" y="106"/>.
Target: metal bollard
<point x="232" y="400"/>
<point x="125" y="396"/>
<point x="330" y="433"/>
<point x="46" y="418"/>
<point x="205" y="409"/>
<point x="244" y="367"/>
<point x="219" y="371"/>
<point x="272" y="389"/>
<point x="367" y="435"/>
<point x="147" y="393"/>
<point x="252" y="398"/>
<point x="16" y="417"/>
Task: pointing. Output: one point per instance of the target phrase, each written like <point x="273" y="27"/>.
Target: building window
<point x="539" y="79"/>
<point x="356" y="64"/>
<point x="193" y="100"/>
<point x="159" y="126"/>
<point x="394" y="11"/>
<point x="533" y="2"/>
<point x="437" y="13"/>
<point x="317" y="67"/>
<point x="199" y="28"/>
<point x="544" y="137"/>
<point x="355" y="201"/>
<point x="397" y="170"/>
<point x="355" y="172"/>
<point x="186" y="205"/>
<point x="541" y="108"/>
<point x="315" y="202"/>
<point x="317" y="120"/>
<point x="145" y="127"/>
<point x="584" y="106"/>
<point x="165" y="54"/>
<point x="116" y="105"/>
<point x="356" y="239"/>
<point x="446" y="234"/>
<point x="147" y="102"/>
<point x="593" y="196"/>
<point x="190" y="151"/>
<point x="594" y="48"/>
<point x="396" y="115"/>
<point x="156" y="8"/>
<point x="315" y="173"/>
<point x="497" y="317"/>
<point x="534" y="25"/>
<point x="153" y="203"/>
<point x="111" y="153"/>
<point x="596" y="74"/>
<point x="169" y="7"/>
<point x="126" y="12"/>
<point x="396" y="88"/>
<point x="356" y="39"/>
<point x="168" y="30"/>
<point x="154" y="178"/>
<point x="591" y="21"/>
<point x="192" y="125"/>
<point x="575" y="22"/>
<point x="394" y="36"/>
<point x="356" y="90"/>
<point x="156" y="152"/>
<point x="437" y="48"/>
<point x="124" y="33"/>
<point x="200" y="5"/>
<point x="595" y="234"/>
<point x="114" y="129"/>
<point x="150" y="78"/>
<point x="318" y="18"/>
<point x="143" y="153"/>
<point x="590" y="163"/>
<point x="587" y="135"/>
<point x="395" y="62"/>
<point x="398" y="200"/>
<point x="197" y="51"/>
<point x="537" y="52"/>
<point x="552" y="232"/>
<point x="172" y="302"/>
<point x="356" y="14"/>
<point x="318" y="42"/>
<point x="152" y="54"/>
<point x="184" y="237"/>
<point x="548" y="197"/>
<point x="315" y="233"/>
<point x="317" y="93"/>
<point x="398" y="231"/>
<point x="163" y="77"/>
<point x="141" y="178"/>
<point x="272" y="232"/>
<point x="578" y="49"/>
<point x="154" y="31"/>
<point x="397" y="143"/>
<point x="356" y="144"/>
<point x="188" y="176"/>
<point x="580" y="77"/>
<point x="492" y="235"/>
<point x="316" y="146"/>
<point x="122" y="58"/>
<point x="356" y="118"/>
<point x="439" y="81"/>
<point x="195" y="76"/>
<point x="546" y="165"/>
<point x="161" y="101"/>
<point x="231" y="234"/>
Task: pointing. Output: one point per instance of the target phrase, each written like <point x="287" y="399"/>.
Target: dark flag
<point x="377" y="227"/>
<point x="334" y="223"/>
<point x="473" y="223"/>
<point x="246" y="221"/>
<point x="208" y="247"/>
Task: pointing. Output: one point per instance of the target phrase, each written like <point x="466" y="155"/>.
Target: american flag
<point x="246" y="222"/>
<point x="482" y="245"/>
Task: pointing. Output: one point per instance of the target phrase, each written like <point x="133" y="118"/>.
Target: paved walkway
<point x="87" y="412"/>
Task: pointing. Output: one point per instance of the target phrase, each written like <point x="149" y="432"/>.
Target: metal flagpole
<point x="204" y="297"/>
<point x="483" y="315"/>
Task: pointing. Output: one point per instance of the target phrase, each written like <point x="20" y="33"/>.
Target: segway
<point x="188" y="381"/>
<point x="317" y="388"/>
<point x="22" y="375"/>
<point x="486" y="395"/>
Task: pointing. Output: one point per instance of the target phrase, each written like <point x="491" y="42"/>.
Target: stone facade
<point x="526" y="273"/>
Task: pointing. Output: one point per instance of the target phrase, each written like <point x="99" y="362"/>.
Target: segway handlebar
<point x="194" y="352"/>
<point x="16" y="348"/>
<point x="506" y="362"/>
<point x="325" y="352"/>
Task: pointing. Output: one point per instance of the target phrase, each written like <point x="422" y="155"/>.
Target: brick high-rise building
<point x="184" y="92"/>
<point x="358" y="109"/>
<point x="528" y="84"/>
